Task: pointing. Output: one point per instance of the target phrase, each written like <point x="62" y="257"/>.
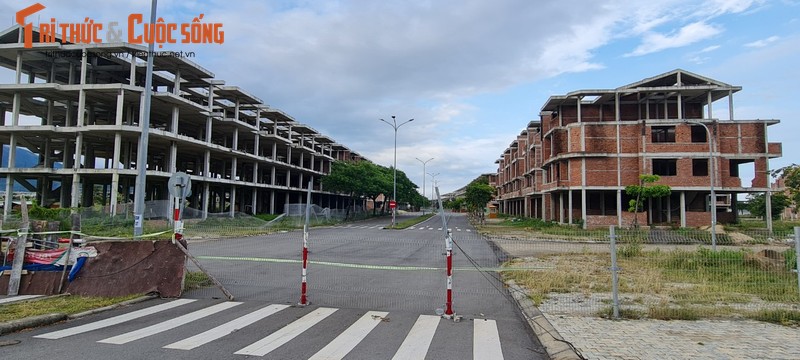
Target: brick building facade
<point x="572" y="166"/>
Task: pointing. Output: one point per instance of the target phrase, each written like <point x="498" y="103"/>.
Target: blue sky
<point x="473" y="73"/>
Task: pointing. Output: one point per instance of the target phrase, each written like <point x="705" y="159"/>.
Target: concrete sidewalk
<point x="597" y="338"/>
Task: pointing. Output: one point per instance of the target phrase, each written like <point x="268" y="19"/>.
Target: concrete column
<point x="235" y="145"/>
<point x="709" y="99"/>
<point x="206" y="194"/>
<point x="115" y="173"/>
<point x="683" y="209"/>
<point x="272" y="176"/>
<point x="255" y="173"/>
<point x="132" y="73"/>
<point x="569" y="206"/>
<point x="669" y="209"/>
<point x="232" y="210"/>
<point x="561" y="208"/>
<point x="274" y="151"/>
<point x="253" y="201"/>
<point x="583" y="193"/>
<point x="79" y="139"/>
<point x="730" y="104"/>
<point x="272" y="202"/>
<point x="173" y="157"/>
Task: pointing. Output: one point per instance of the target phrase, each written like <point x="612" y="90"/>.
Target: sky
<point x="473" y="73"/>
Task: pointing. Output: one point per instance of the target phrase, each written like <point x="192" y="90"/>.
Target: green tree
<point x="454" y="204"/>
<point x="478" y="194"/>
<point x="791" y="179"/>
<point x="757" y="204"/>
<point x="645" y="191"/>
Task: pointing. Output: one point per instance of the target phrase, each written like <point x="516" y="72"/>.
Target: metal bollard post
<point x="614" y="277"/>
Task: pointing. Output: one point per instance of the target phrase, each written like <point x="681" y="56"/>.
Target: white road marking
<point x="418" y="340"/>
<point x="114" y="320"/>
<point x="486" y="340"/>
<point x="225" y="329"/>
<point x="286" y="334"/>
<point x="347" y="340"/>
<point x="169" y="324"/>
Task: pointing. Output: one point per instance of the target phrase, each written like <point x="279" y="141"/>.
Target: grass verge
<point x="668" y="285"/>
<point x="61" y="304"/>
<point x="411" y="222"/>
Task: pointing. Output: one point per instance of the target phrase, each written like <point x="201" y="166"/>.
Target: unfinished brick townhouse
<point x="573" y="165"/>
<point x="75" y="109"/>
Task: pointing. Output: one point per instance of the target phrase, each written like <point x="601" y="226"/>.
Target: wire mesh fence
<point x="662" y="273"/>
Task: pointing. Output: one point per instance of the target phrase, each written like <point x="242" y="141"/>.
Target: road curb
<point x="30" y="322"/>
<point x="557" y="348"/>
<point x="8" y="327"/>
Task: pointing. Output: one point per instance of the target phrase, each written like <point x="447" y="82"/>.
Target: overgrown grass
<point x="758" y="224"/>
<point x="196" y="280"/>
<point x="783" y="317"/>
<point x="681" y="278"/>
<point x="62" y="304"/>
<point x="411" y="222"/>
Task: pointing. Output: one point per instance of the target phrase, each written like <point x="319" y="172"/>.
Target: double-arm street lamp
<point x="423" y="174"/>
<point x="433" y="183"/>
<point x="713" y="200"/>
<point x="394" y="126"/>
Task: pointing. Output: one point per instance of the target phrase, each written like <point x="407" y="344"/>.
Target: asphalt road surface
<point x="374" y="294"/>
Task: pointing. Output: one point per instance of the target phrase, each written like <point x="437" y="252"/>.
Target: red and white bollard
<point x="176" y="217"/>
<point x="303" y="300"/>
<point x="449" y="304"/>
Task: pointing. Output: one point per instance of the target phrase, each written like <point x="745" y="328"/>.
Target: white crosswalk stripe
<point x="416" y="344"/>
<point x="418" y="340"/>
<point x="287" y="333"/>
<point x="169" y="324"/>
<point x="346" y="341"/>
<point x="486" y="340"/>
<point x="227" y="328"/>
<point x="114" y="320"/>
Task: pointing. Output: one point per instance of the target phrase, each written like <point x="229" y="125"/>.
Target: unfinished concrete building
<point x="573" y="165"/>
<point x="75" y="108"/>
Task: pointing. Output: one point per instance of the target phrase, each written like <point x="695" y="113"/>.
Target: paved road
<point x="373" y="294"/>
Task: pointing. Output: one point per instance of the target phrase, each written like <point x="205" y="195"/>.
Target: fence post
<point x="19" y="251"/>
<point x="797" y="253"/>
<point x="614" y="277"/>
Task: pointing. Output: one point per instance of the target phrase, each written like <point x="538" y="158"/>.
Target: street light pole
<point x="141" y="159"/>
<point x="433" y="183"/>
<point x="713" y="200"/>
<point x="423" y="175"/>
<point x="394" y="126"/>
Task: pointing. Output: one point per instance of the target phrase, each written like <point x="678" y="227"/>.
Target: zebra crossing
<point x="411" y="228"/>
<point x="416" y="344"/>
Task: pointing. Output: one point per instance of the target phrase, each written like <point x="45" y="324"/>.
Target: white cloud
<point x="763" y="42"/>
<point x="710" y="48"/>
<point x="689" y="34"/>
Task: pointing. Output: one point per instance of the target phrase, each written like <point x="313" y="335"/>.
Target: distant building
<point x="572" y="166"/>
